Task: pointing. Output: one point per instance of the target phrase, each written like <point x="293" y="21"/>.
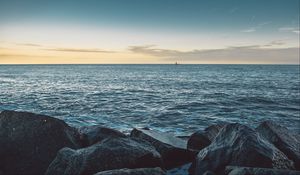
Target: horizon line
<point x="149" y="64"/>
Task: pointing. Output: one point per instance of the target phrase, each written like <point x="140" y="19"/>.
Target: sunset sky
<point x="149" y="31"/>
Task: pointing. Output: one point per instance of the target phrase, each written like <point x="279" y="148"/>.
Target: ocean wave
<point x="179" y="100"/>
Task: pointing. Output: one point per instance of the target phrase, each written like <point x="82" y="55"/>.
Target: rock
<point x="110" y="153"/>
<point x="173" y="150"/>
<point x="202" y="139"/>
<point x="209" y="173"/>
<point x="29" y="142"/>
<point x="139" y="171"/>
<point x="233" y="170"/>
<point x="90" y="135"/>
<point x="285" y="140"/>
<point x="182" y="170"/>
<point x="184" y="137"/>
<point x="238" y="145"/>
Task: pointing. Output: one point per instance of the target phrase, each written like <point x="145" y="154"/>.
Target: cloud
<point x="29" y="44"/>
<point x="289" y="29"/>
<point x="264" y="23"/>
<point x="249" y="30"/>
<point x="22" y="56"/>
<point x="11" y="55"/>
<point x="79" y="50"/>
<point x="93" y="50"/>
<point x="149" y="50"/>
<point x="248" y="54"/>
<point x="286" y="28"/>
<point x="254" y="29"/>
<point x="275" y="43"/>
<point x="297" y="31"/>
<point x="234" y="9"/>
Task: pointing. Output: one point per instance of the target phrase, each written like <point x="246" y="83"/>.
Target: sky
<point x="149" y="31"/>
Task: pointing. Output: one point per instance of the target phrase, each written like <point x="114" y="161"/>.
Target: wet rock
<point x="238" y="145"/>
<point x="110" y="153"/>
<point x="184" y="137"/>
<point x="285" y="140"/>
<point x="202" y="139"/>
<point x="29" y="142"/>
<point x="139" y="171"/>
<point x="172" y="149"/>
<point x="182" y="170"/>
<point x="233" y="170"/>
<point x="90" y="135"/>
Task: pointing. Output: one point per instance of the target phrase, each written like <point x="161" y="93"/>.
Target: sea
<point x="178" y="99"/>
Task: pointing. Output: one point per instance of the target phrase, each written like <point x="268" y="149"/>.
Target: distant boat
<point x="176" y="63"/>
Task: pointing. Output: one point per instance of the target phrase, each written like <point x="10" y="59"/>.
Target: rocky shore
<point x="38" y="144"/>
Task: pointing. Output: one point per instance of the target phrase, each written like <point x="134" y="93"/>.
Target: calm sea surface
<point x="178" y="99"/>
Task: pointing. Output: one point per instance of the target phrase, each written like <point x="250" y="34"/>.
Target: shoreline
<point x="40" y="144"/>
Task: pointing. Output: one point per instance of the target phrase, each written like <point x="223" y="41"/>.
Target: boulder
<point x="138" y="171"/>
<point x="90" y="135"/>
<point x="238" y="145"/>
<point x="286" y="141"/>
<point x="184" y="137"/>
<point x="173" y="150"/>
<point x="202" y="139"/>
<point x="29" y="142"/>
<point x="110" y="153"/>
<point x="233" y="170"/>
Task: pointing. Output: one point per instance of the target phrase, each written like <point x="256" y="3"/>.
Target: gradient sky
<point x="149" y="31"/>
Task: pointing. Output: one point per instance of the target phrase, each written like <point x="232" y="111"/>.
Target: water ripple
<point x="178" y="99"/>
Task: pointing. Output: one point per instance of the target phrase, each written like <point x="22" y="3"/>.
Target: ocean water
<point x="173" y="98"/>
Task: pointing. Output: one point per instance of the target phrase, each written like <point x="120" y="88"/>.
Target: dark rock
<point x="111" y="153"/>
<point x="182" y="170"/>
<point x="239" y="145"/>
<point x="285" y="140"/>
<point x="233" y="170"/>
<point x="202" y="139"/>
<point x="139" y="171"/>
<point x="209" y="173"/>
<point x="186" y="138"/>
<point x="29" y="142"/>
<point x="172" y="149"/>
<point x="90" y="135"/>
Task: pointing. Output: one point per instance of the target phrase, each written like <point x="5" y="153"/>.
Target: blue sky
<point x="154" y="28"/>
<point x="159" y="14"/>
